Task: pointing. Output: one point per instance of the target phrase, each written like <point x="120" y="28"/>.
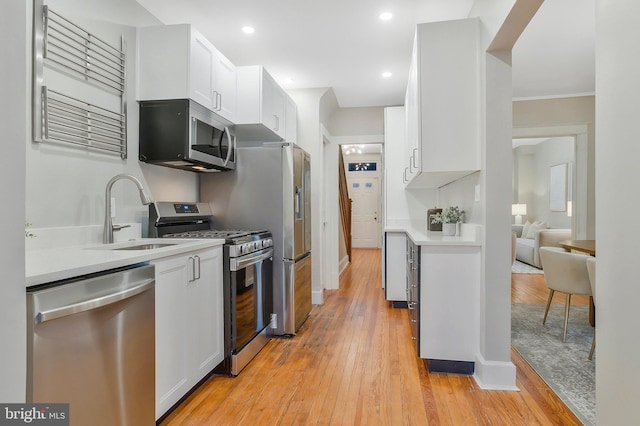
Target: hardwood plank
<point x="353" y="362"/>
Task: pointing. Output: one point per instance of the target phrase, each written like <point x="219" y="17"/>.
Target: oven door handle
<point x="238" y="264"/>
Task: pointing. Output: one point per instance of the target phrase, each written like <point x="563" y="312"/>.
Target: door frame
<point x="580" y="171"/>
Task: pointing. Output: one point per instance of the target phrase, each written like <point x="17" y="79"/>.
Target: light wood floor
<point x="353" y="363"/>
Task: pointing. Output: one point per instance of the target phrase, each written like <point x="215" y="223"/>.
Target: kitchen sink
<point x="145" y="246"/>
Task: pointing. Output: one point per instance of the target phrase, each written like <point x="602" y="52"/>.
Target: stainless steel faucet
<point x="109" y="227"/>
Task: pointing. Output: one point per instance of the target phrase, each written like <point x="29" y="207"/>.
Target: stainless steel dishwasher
<point x="91" y="343"/>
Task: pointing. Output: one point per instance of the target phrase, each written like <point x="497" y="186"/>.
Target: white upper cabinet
<point x="443" y="104"/>
<point x="177" y="62"/>
<point x="265" y="111"/>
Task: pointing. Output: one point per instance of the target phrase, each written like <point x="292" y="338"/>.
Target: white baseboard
<point x="342" y="265"/>
<point x="495" y="375"/>
<point x="317" y="297"/>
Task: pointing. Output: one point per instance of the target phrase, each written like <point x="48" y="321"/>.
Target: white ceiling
<point x="344" y="45"/>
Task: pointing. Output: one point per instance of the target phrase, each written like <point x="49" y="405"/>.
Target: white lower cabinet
<point x="449" y="303"/>
<point x="395" y="285"/>
<point x="189" y="323"/>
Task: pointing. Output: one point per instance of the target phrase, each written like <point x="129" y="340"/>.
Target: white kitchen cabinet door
<point x="172" y="308"/>
<point x="189" y="323"/>
<point x="178" y="62"/>
<point x="443" y="104"/>
<point x="224" y="86"/>
<point x="261" y="106"/>
<point x="273" y="105"/>
<point x="206" y="313"/>
<point x="201" y="76"/>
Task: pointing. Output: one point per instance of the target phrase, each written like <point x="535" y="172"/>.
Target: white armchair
<point x="565" y="272"/>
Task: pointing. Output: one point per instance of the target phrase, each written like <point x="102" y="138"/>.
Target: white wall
<point x="617" y="153"/>
<point x="461" y="193"/>
<point x="357" y="121"/>
<point x="14" y="119"/>
<point x="532" y="165"/>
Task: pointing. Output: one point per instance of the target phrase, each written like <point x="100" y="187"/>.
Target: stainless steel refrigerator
<point x="271" y="189"/>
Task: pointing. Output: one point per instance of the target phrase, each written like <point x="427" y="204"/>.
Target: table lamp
<point x="518" y="210"/>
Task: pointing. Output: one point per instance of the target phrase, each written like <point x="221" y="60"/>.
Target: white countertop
<point x="418" y="232"/>
<point x="53" y="264"/>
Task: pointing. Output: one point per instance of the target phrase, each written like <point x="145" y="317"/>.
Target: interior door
<point x="365" y="195"/>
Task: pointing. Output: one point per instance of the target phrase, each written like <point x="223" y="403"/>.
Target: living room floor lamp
<point x="518" y="210"/>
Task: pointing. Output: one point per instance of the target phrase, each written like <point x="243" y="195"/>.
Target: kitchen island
<point x="440" y="278"/>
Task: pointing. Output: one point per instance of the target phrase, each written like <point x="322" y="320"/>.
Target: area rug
<point x="522" y="268"/>
<point x="565" y="367"/>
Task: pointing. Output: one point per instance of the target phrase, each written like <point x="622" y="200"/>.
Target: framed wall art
<point x="558" y="188"/>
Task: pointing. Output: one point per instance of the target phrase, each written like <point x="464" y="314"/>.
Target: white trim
<point x="344" y="262"/>
<point x="495" y="375"/>
<point x="317" y="297"/>
<point x="358" y="139"/>
<point x="568" y="95"/>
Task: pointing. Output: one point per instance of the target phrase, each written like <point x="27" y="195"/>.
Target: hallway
<point x="353" y="363"/>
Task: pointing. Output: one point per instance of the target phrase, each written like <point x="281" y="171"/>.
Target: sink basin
<point x="145" y="246"/>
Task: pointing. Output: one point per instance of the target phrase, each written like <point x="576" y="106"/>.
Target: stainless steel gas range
<point x="248" y="276"/>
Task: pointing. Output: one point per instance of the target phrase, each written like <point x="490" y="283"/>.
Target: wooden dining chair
<point x="565" y="272"/>
<point x="591" y="269"/>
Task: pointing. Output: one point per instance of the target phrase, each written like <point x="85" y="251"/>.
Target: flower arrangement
<point x="449" y="215"/>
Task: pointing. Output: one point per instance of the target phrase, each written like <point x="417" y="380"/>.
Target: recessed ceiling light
<point x="386" y="74"/>
<point x="385" y="16"/>
<point x="288" y="80"/>
<point x="248" y="30"/>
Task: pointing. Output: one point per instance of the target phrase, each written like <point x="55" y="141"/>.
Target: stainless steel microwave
<point x="182" y="134"/>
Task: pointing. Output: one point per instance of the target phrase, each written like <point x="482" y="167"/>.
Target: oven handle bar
<point x="245" y="261"/>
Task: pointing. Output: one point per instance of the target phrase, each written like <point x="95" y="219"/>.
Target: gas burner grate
<point x="209" y="234"/>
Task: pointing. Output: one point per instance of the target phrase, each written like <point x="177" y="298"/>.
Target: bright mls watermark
<point x="34" y="414"/>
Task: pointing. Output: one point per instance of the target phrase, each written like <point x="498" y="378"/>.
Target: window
<point x="363" y="167"/>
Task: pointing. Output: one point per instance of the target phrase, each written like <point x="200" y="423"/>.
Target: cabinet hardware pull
<point x="192" y="272"/>
<point x="98" y="302"/>
<point x="197" y="263"/>
<point x="215" y="100"/>
<point x="414" y="158"/>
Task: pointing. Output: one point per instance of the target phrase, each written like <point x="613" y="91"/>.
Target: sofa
<point x="528" y="249"/>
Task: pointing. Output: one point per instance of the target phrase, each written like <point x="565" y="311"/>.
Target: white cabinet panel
<point x="264" y="109"/>
<point x="442" y="102"/>
<point x="395" y="280"/>
<point x="178" y="62"/>
<point x="449" y="303"/>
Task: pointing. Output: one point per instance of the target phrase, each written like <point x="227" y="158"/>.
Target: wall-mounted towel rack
<point x="66" y="48"/>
